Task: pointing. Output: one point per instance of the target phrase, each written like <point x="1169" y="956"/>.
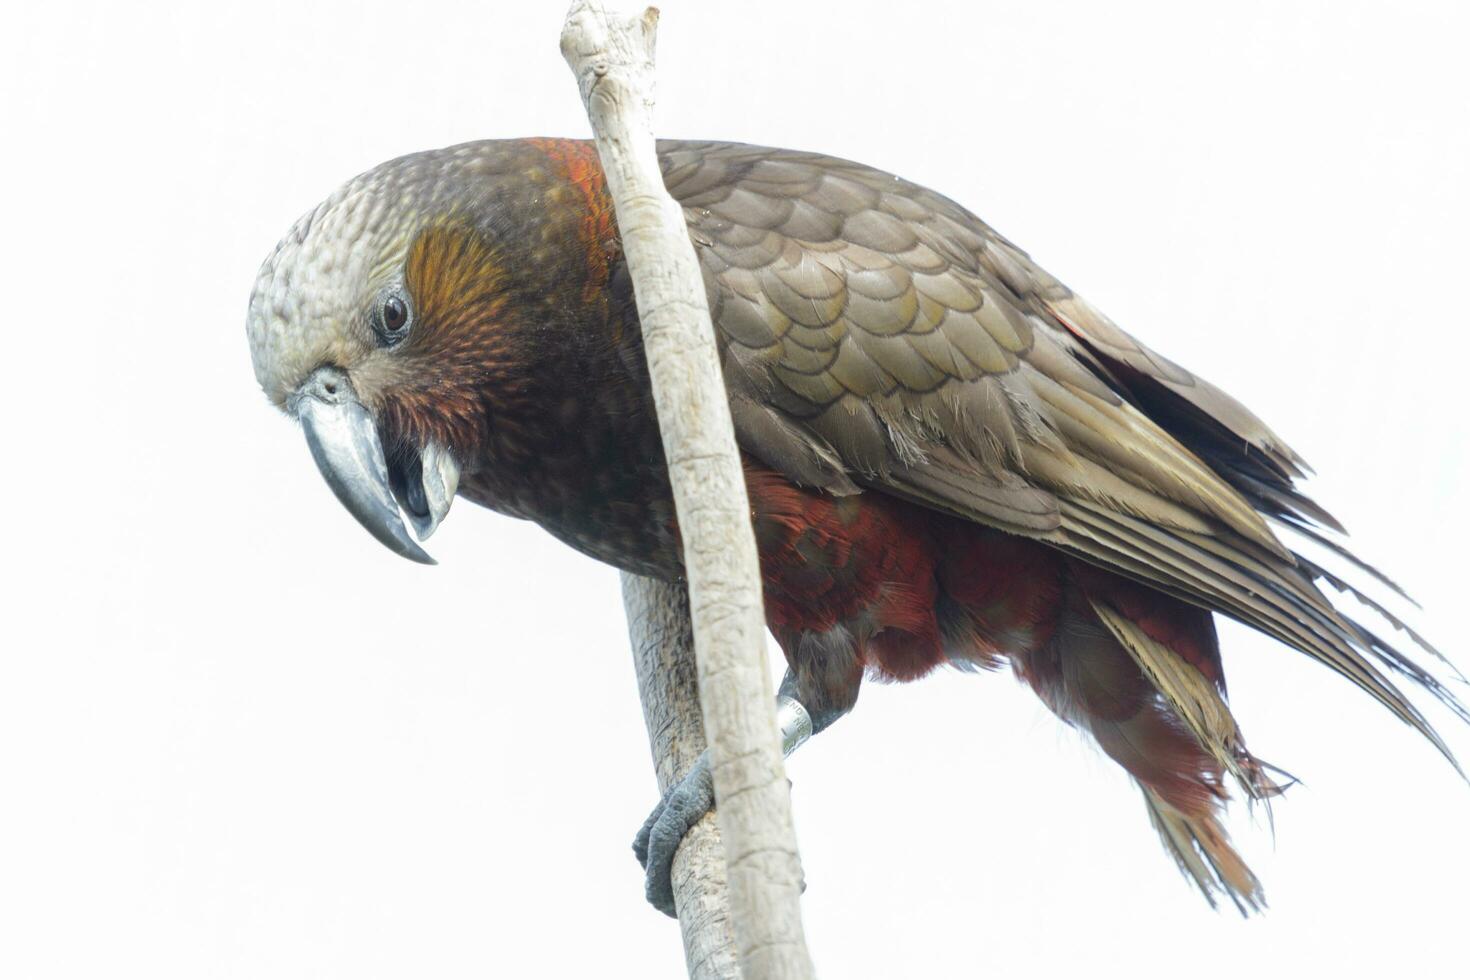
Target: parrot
<point x="951" y="459"/>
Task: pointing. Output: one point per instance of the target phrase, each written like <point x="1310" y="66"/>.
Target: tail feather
<point x="1202" y="849"/>
<point x="1198" y="703"/>
<point x="1194" y="699"/>
<point x="1140" y="673"/>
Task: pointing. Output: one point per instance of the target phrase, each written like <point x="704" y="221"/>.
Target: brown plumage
<point x="952" y="459"/>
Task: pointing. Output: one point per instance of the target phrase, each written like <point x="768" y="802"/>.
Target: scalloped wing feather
<point x="879" y="335"/>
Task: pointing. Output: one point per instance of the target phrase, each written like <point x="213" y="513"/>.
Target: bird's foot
<point x="681" y="808"/>
<point x="688" y="800"/>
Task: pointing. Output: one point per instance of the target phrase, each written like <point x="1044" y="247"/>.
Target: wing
<point x="877" y="335"/>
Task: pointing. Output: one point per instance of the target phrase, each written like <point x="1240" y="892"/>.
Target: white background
<point x="238" y="738"/>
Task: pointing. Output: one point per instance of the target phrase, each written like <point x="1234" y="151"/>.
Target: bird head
<point x="400" y="318"/>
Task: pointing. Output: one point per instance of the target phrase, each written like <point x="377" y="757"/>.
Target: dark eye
<point x="395" y="314"/>
<point x="392" y="317"/>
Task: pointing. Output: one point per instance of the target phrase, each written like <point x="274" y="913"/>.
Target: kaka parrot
<point x="951" y="458"/>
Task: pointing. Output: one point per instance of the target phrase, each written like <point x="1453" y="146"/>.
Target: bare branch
<point x="612" y="58"/>
<point x="663" y="654"/>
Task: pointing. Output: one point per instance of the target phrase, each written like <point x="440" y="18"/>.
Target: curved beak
<point x="343" y="439"/>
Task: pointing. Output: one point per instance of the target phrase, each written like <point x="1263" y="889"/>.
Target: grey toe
<point x="658" y="840"/>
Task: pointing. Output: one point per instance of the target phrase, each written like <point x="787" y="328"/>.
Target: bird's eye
<point x="395" y="314"/>
<point x="393" y="317"/>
